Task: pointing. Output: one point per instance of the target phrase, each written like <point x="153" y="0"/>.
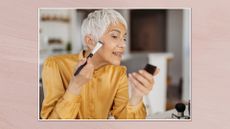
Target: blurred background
<point x="161" y="37"/>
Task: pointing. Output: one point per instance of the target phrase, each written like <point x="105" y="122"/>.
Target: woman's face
<point x="114" y="44"/>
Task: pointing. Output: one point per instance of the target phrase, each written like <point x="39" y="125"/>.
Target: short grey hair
<point x="98" y="21"/>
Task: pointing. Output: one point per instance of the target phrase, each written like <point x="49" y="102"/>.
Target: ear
<point x="89" y="41"/>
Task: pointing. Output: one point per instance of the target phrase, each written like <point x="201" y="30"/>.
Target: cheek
<point x="106" y="50"/>
<point x="110" y="58"/>
<point x="106" y="54"/>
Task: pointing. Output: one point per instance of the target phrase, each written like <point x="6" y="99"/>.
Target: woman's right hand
<point x="82" y="78"/>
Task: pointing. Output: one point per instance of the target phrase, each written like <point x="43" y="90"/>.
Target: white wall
<point x="174" y="43"/>
<point x="187" y="54"/>
<point x="66" y="31"/>
<point x="76" y="33"/>
<point x="125" y="14"/>
<point x="179" y="43"/>
<point x="54" y="29"/>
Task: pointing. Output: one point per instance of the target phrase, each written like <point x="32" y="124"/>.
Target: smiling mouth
<point x="118" y="54"/>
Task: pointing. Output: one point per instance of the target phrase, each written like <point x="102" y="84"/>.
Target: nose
<point x="122" y="44"/>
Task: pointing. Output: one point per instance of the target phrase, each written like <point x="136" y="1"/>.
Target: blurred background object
<point x="161" y="37"/>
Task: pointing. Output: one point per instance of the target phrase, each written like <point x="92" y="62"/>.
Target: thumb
<point x="89" y="60"/>
<point x="156" y="72"/>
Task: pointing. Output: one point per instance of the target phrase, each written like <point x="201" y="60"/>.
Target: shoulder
<point x="57" y="59"/>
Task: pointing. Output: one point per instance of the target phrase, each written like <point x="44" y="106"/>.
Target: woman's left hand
<point x="142" y="83"/>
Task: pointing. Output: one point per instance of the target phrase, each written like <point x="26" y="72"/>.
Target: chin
<point x="117" y="64"/>
<point x="114" y="62"/>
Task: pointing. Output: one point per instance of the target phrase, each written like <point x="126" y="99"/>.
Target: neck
<point x="96" y="60"/>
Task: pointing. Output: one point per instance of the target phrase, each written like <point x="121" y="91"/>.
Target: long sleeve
<point x="121" y="108"/>
<point x="57" y="104"/>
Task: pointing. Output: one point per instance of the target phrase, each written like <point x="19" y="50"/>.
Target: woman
<point x="101" y="88"/>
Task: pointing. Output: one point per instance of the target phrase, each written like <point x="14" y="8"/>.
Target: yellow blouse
<point x="106" y="94"/>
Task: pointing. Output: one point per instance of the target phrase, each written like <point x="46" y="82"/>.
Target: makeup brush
<point x="150" y="68"/>
<point x="96" y="48"/>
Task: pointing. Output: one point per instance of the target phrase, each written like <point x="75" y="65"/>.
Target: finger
<point x="140" y="93"/>
<point x="138" y="85"/>
<point x="146" y="75"/>
<point x="135" y="88"/>
<point x="142" y="80"/>
<point x="89" y="68"/>
<point x="89" y="62"/>
<point x="156" y="72"/>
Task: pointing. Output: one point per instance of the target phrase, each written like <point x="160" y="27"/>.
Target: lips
<point x="118" y="53"/>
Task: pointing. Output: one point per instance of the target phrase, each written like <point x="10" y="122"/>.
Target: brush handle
<point x="83" y="65"/>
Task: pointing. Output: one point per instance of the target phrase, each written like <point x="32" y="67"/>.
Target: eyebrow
<point x="118" y="31"/>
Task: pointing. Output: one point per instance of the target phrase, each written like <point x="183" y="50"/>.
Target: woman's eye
<point x="125" y="40"/>
<point x="115" y="37"/>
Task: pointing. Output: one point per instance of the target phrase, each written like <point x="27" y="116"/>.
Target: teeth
<point x="117" y="54"/>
